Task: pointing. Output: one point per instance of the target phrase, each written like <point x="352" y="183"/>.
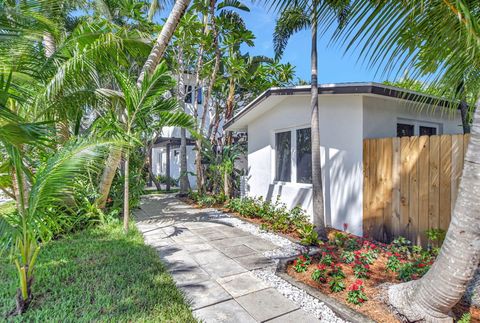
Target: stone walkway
<point x="213" y="263"/>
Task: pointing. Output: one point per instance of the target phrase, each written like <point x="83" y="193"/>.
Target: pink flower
<point x="345" y="226"/>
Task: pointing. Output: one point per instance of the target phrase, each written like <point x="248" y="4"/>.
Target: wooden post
<point x="167" y="171"/>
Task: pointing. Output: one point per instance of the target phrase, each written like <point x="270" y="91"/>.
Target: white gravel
<point x="286" y="249"/>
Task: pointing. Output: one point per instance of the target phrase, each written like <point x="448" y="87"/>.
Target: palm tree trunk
<point x="126" y="192"/>
<point x="184" y="183"/>
<point x="163" y="38"/>
<point x="432" y="297"/>
<point x="206" y="102"/>
<point x="317" y="189"/>
<point x="111" y="166"/>
<point x="229" y="110"/>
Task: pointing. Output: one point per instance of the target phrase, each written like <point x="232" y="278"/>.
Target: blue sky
<point x="333" y="65"/>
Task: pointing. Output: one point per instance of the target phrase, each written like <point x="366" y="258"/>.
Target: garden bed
<point x="361" y="282"/>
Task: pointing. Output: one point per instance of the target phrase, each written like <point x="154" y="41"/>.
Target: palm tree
<point x="141" y="105"/>
<point x="298" y="16"/>
<point x="164" y="38"/>
<point x="438" y="40"/>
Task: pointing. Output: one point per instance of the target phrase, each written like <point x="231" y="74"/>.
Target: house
<point x="279" y="146"/>
<point x="165" y="154"/>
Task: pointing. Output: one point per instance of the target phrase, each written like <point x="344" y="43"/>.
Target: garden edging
<point x="340" y="309"/>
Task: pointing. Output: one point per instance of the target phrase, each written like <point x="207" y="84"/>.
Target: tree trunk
<point x="226" y="184"/>
<point x="199" y="144"/>
<point x="229" y="110"/>
<point x="167" y="170"/>
<point x="184" y="183"/>
<point x="111" y="166"/>
<point x="432" y="297"/>
<point x="317" y="188"/>
<point x="163" y="39"/>
<point x="464" y="114"/>
<point x="126" y="192"/>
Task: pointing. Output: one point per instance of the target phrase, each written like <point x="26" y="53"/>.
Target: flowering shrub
<point x="393" y="262"/>
<point x="361" y="270"/>
<point x="336" y="284"/>
<point x="320" y="273"/>
<point x="327" y="258"/>
<point x="412" y="270"/>
<point x="348" y="257"/>
<point x="356" y="294"/>
<point x="301" y="263"/>
<point x="336" y="271"/>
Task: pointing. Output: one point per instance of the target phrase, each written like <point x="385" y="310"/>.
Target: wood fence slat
<point x="423" y="174"/>
<point x="379" y="190"/>
<point x="367" y="186"/>
<point x="404" y="184"/>
<point x="445" y="180"/>
<point x="457" y="166"/>
<point x="396" y="224"/>
<point x="387" y="189"/>
<point x="413" y="194"/>
<point x="434" y="183"/>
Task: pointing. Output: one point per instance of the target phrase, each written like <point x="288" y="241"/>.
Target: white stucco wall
<point x="159" y="160"/>
<point x="381" y="115"/>
<point x="341" y="141"/>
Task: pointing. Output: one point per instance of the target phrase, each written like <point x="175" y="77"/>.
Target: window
<point x="188" y="94"/>
<point x="405" y="130"/>
<point x="199" y="95"/>
<point x="428" y="131"/>
<point x="283" y="153"/>
<point x="304" y="156"/>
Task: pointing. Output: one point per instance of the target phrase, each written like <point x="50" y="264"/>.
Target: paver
<point x="242" y="284"/>
<point x="255" y="261"/>
<point x="204" y="293"/>
<point x="225" y="312"/>
<point x="211" y="262"/>
<point x="266" y="304"/>
<point x="237" y="251"/>
<point x="295" y="317"/>
<point x="222" y="269"/>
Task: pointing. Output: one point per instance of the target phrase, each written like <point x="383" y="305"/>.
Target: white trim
<point x="293" y="156"/>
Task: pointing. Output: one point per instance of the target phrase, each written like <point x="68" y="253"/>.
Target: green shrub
<point x="165" y="180"/>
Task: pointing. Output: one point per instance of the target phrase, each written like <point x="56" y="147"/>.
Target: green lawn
<point x="98" y="275"/>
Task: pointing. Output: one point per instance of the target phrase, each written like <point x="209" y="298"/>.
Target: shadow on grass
<point x="99" y="274"/>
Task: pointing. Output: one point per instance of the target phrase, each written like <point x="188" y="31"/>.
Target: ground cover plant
<point x="356" y="271"/>
<point x="99" y="274"/>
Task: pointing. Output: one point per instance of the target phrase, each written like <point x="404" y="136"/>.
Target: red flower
<point x="396" y="254"/>
<point x="421" y="265"/>
<point x="367" y="266"/>
<point x="353" y="287"/>
<point x="359" y="282"/>
<point x="361" y="300"/>
<point x="345" y="226"/>
<point x="295" y="262"/>
<point x="321" y="267"/>
<point x="389" y="254"/>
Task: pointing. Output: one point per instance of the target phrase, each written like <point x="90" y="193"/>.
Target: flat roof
<point x="344" y="88"/>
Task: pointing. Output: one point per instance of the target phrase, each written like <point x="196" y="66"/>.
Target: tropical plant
<point x="142" y="105"/>
<point x="438" y="41"/>
<point x="24" y="232"/>
<point x="295" y="16"/>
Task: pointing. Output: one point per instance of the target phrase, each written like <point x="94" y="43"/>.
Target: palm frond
<point x="290" y="21"/>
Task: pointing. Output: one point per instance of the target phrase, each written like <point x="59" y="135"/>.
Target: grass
<point x="99" y="274"/>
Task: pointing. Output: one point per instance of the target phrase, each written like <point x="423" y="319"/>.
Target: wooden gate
<point x="410" y="184"/>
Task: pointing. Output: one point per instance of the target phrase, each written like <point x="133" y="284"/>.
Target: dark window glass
<point x="283" y="146"/>
<point x="304" y="156"/>
<point x="188" y="94"/>
<point x="428" y="131"/>
<point x="199" y="96"/>
<point x="404" y="130"/>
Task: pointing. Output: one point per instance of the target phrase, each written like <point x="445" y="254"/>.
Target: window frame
<point x="420" y="123"/>
<point x="293" y="156"/>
